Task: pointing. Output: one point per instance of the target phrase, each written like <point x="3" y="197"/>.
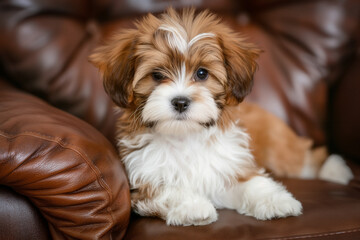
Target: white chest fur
<point x="198" y="173"/>
<point x="204" y="162"/>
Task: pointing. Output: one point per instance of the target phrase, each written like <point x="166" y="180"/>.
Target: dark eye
<point x="157" y="76"/>
<point x="201" y="74"/>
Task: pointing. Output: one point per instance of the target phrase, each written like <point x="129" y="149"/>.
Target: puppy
<point x="182" y="136"/>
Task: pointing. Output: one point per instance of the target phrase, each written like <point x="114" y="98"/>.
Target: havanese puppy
<point x="187" y="146"/>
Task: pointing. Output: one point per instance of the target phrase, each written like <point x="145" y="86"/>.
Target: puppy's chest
<point x="209" y="157"/>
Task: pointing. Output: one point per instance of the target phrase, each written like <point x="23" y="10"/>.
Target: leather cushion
<point x="331" y="211"/>
<point x="44" y="50"/>
<point x="305" y="44"/>
<point x="17" y="212"/>
<point x="64" y="166"/>
<point x="344" y="129"/>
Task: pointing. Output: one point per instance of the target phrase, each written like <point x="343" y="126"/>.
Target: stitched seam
<point x="74" y="148"/>
<point x="316" y="235"/>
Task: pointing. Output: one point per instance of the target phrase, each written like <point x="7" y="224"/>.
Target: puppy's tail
<point x="319" y="164"/>
<point x="335" y="170"/>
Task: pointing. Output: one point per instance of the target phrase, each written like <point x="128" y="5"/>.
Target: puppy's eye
<point x="157" y="76"/>
<point x="201" y="74"/>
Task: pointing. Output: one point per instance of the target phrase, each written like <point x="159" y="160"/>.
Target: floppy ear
<point x="240" y="63"/>
<point x="116" y="62"/>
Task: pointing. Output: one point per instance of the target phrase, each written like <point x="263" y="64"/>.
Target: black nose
<point x="180" y="103"/>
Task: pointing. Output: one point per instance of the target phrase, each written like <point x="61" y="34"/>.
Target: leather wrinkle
<point x="75" y="149"/>
<point x="279" y="38"/>
<point x="59" y="172"/>
<point x="87" y="36"/>
<point x="69" y="62"/>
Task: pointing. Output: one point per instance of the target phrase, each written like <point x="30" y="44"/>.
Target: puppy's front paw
<point x="195" y="211"/>
<point x="276" y="205"/>
<point x="263" y="198"/>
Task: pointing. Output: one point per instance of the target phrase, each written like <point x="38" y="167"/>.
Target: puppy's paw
<point x="264" y="198"/>
<point x="276" y="205"/>
<point x="195" y="211"/>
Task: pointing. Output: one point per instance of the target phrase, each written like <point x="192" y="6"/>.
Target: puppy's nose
<point x="180" y="103"/>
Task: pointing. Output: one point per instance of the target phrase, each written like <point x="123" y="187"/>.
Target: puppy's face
<point x="176" y="73"/>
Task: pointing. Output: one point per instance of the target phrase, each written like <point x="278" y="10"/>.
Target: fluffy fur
<point x="182" y="136"/>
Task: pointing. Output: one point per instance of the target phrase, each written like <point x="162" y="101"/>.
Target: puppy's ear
<point x="116" y="62"/>
<point x="240" y="63"/>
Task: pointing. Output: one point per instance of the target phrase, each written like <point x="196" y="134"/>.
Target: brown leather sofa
<point x="60" y="176"/>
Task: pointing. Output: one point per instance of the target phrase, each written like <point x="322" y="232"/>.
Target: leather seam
<point x="75" y="149"/>
<point x="317" y="235"/>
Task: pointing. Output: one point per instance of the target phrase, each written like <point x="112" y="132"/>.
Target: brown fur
<point x="275" y="146"/>
<point x="231" y="60"/>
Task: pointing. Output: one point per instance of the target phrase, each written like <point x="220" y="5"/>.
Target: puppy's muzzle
<point x="180" y="104"/>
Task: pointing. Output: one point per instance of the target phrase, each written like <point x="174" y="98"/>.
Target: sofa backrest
<point x="307" y="45"/>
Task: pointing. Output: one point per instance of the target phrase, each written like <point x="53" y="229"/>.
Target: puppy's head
<point x="177" y="72"/>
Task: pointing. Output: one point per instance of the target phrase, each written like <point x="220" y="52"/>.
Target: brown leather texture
<point x="64" y="166"/>
<point x="330" y="211"/>
<point x="44" y="50"/>
<point x="303" y="42"/>
<point x="56" y="122"/>
<point x="344" y="129"/>
<point x="17" y="213"/>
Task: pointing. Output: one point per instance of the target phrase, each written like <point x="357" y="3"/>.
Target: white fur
<point x="179" y="206"/>
<point x="196" y="172"/>
<point x="193" y="210"/>
<point x="336" y="170"/>
<point x="178" y="38"/>
<point x="199" y="37"/>
<point x="204" y="161"/>
<point x="181" y="78"/>
<point x="260" y="197"/>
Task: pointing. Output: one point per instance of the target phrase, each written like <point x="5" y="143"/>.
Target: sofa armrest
<point x="64" y="166"/>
